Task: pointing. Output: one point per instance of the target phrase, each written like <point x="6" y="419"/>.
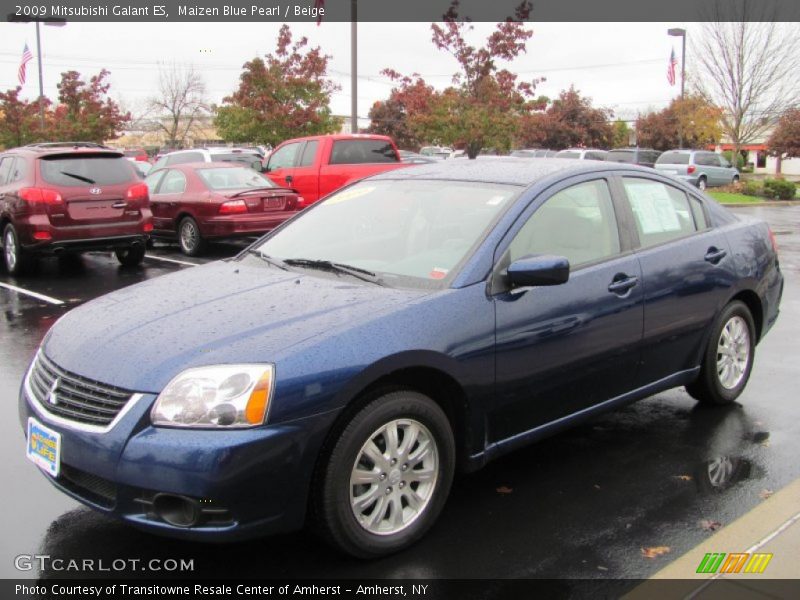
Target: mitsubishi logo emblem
<point x="52" y="398"/>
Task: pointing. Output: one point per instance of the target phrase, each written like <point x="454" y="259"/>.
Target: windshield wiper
<point x="253" y="189"/>
<point x="275" y="262"/>
<point x="78" y="177"/>
<point x="326" y="265"/>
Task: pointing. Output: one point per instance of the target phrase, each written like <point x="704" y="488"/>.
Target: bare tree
<point x="180" y="103"/>
<point x="748" y="67"/>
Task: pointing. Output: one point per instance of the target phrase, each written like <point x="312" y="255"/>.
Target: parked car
<point x="645" y="157"/>
<point x="414" y="322"/>
<point x="412" y="158"/>
<point x="582" y="154"/>
<point x="197" y="202"/>
<point x="316" y="166"/>
<point x="243" y="156"/>
<point x="440" y="152"/>
<point x="533" y="153"/>
<point x="701" y="168"/>
<point x="70" y="197"/>
<point x="136" y="154"/>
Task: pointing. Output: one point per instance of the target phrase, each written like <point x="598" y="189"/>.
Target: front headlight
<point x="224" y="396"/>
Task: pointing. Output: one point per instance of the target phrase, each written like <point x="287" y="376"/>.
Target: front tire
<point x="728" y="359"/>
<point x="17" y="261"/>
<point x="132" y="256"/>
<point x="189" y="238"/>
<point x="387" y="476"/>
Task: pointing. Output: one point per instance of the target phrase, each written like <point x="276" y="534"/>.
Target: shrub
<point x="751" y="188"/>
<point x="779" y="188"/>
<point x="739" y="164"/>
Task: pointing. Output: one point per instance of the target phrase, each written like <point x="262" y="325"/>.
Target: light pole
<point x="52" y="22"/>
<point x="681" y="33"/>
<point x="354" y="66"/>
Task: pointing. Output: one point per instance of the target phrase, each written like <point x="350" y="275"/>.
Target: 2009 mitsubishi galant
<point x="341" y="369"/>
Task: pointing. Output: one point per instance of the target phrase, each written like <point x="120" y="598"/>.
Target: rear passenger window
<point x="577" y="223"/>
<point x="353" y="152"/>
<point x="174" y="183"/>
<point x="662" y="213"/>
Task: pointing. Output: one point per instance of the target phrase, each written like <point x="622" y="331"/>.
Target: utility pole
<point x="354" y="66"/>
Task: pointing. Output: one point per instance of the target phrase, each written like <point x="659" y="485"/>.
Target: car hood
<point x="139" y="337"/>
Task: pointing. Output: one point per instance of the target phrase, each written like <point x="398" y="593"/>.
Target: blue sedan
<point x="339" y="371"/>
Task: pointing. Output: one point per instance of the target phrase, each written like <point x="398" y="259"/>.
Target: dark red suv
<point x="71" y="197"/>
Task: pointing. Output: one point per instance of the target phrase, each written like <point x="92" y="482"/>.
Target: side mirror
<point x="542" y="269"/>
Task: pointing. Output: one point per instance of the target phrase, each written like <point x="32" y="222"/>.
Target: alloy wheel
<point x="733" y="352"/>
<point x="10" y="249"/>
<point x="394" y="476"/>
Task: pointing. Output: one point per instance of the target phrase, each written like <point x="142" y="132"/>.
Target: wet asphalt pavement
<point x="582" y="504"/>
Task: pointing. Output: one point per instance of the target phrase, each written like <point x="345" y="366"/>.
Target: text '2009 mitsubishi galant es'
<point x="340" y="370"/>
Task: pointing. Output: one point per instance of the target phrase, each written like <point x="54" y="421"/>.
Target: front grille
<point x="73" y="397"/>
<point x="93" y="488"/>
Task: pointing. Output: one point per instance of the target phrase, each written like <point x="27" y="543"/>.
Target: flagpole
<point x="41" y="78"/>
<point x="354" y="66"/>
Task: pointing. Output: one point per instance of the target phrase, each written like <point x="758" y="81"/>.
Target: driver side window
<point x="577" y="223"/>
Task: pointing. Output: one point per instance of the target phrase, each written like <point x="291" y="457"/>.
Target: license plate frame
<point x="43" y="447"/>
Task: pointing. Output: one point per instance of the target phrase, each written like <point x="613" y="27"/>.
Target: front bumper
<point x="246" y="483"/>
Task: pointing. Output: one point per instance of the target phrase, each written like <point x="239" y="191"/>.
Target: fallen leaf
<point x="655" y="551"/>
<point x="597" y="487"/>
<point x="602" y="568"/>
<point x="766" y="494"/>
<point x="504" y="490"/>
<point x="682" y="477"/>
<point x="710" y="525"/>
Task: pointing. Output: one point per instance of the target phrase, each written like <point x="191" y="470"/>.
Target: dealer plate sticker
<point x="44" y="447"/>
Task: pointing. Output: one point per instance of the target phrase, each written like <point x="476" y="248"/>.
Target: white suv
<point x="250" y="157"/>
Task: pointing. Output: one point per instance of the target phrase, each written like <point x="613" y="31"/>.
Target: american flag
<point x="673" y="62"/>
<point x="26" y="58"/>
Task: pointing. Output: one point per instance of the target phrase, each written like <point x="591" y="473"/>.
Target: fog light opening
<point x="179" y="511"/>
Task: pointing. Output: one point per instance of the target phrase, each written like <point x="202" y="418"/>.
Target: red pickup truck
<point x="316" y="166"/>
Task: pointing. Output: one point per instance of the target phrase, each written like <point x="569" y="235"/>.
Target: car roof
<point x="501" y="169"/>
<point x="340" y="136"/>
<point x="65" y="148"/>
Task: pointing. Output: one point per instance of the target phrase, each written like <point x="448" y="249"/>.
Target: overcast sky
<point x="619" y="65"/>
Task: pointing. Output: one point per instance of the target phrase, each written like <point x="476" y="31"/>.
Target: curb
<point x="765" y="203"/>
<point x="772" y="527"/>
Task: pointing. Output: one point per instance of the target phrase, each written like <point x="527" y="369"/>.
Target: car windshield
<point x="673" y="158"/>
<point x="235" y="178"/>
<point x="623" y="156"/>
<point x="407" y="232"/>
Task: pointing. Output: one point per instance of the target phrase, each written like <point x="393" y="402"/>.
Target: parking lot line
<point x="172" y="260"/>
<point x="37" y="295"/>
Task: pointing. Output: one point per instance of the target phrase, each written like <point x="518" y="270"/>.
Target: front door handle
<point x="714" y="255"/>
<point x="622" y="284"/>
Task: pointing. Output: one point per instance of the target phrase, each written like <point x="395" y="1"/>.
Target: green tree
<point x="285" y="95"/>
<point x="19" y="120"/>
<point x="621" y="134"/>
<point x="84" y="111"/>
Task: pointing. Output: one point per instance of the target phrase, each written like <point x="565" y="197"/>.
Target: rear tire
<point x="131" y="257"/>
<point x="17" y="261"/>
<point x="189" y="238"/>
<point x="401" y="451"/>
<point x="728" y="359"/>
<point x="735" y="180"/>
<point x="702" y="184"/>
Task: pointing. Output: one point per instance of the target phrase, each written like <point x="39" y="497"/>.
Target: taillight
<point x="233" y="207"/>
<point x="691" y="169"/>
<point x="40" y="196"/>
<point x="42" y="236"/>
<point x="148" y="227"/>
<point x="138" y="192"/>
<point x="300" y="202"/>
<point x="773" y="240"/>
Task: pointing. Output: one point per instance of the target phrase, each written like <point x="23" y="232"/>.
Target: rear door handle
<point x="714" y="255"/>
<point x="622" y="284"/>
